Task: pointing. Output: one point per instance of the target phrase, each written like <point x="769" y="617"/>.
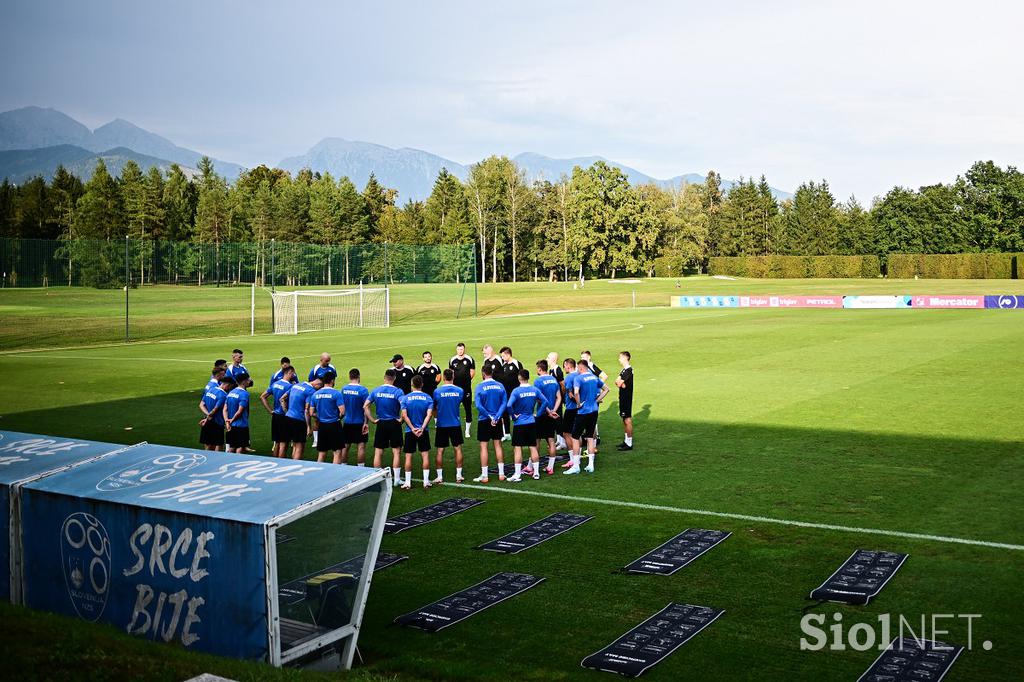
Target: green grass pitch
<point x="899" y="421"/>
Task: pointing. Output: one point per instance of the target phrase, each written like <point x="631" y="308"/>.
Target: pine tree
<point x="100" y="214"/>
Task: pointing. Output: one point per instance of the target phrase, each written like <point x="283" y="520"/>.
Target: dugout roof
<point x="242" y="488"/>
<point x="28" y="455"/>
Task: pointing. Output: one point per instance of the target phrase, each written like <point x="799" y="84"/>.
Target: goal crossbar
<point x="323" y="309"/>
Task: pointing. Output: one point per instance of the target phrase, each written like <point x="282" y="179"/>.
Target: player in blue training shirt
<point x="296" y="411"/>
<point x="319" y="371"/>
<point x="236" y="416"/>
<point x="219" y="370"/>
<point x="211" y="426"/>
<point x="417" y="408"/>
<point x="279" y="432"/>
<point x="589" y="392"/>
<point x="447" y="399"/>
<point x="236" y="367"/>
<point x="569" y="416"/>
<point x="279" y="374"/>
<point x="355" y="426"/>
<point x="489" y="399"/>
<point x="525" y="400"/>
<point x="327" y="408"/>
<point x="547" y="421"/>
<point x="386" y="400"/>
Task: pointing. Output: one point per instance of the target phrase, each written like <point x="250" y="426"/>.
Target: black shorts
<point x="414" y="443"/>
<point x="295" y="430"/>
<point x="354" y="434"/>
<point x="524" y="435"/>
<point x="546" y="427"/>
<point x="279" y="428"/>
<point x="238" y="436"/>
<point x="467" y="401"/>
<point x="584" y="426"/>
<point x="211" y="433"/>
<point x="568" y="419"/>
<point x="626" y="406"/>
<point x="448" y="435"/>
<point x="485" y="431"/>
<point x="330" y="437"/>
<point x="388" y="434"/>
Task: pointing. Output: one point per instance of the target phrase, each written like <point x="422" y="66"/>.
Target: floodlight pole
<point x="127" y="274"/>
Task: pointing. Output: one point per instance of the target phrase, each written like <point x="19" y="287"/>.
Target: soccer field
<point x="806" y="433"/>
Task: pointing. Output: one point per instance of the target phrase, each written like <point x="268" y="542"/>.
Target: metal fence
<point x="115" y="263"/>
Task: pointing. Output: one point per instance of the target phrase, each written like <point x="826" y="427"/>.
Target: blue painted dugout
<point x="26" y="457"/>
<point x="181" y="545"/>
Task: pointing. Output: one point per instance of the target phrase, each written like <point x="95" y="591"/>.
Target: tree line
<point x="594" y="223"/>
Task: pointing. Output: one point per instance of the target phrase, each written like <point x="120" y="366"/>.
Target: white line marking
<point x="746" y="517"/>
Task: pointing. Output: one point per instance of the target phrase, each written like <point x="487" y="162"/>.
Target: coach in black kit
<point x="508" y="375"/>
<point x="465" y="369"/>
<point x="625" y="383"/>
<point x="403" y="374"/>
<point x="430" y="373"/>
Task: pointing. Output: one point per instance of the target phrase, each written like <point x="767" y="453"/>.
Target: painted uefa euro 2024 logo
<point x="85" y="558"/>
<point x="155" y="470"/>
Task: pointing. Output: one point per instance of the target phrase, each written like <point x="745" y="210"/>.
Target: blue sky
<point x="865" y="95"/>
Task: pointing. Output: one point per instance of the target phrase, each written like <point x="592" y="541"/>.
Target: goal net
<point x="318" y="310"/>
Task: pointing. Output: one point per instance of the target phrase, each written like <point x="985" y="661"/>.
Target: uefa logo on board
<point x="155" y="470"/>
<point x="85" y="560"/>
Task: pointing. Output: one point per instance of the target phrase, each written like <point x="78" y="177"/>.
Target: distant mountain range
<point x="21" y="165"/>
<point x="34" y="141"/>
<point x="33" y="128"/>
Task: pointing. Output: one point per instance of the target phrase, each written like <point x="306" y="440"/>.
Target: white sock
<point x="501" y="469"/>
<point x="590" y="459"/>
<point x="397" y="472"/>
<point x="458" y="472"/>
<point x="575" y="460"/>
<point x="629" y="440"/>
<point x="315" y="434"/>
<point x="519" y="469"/>
<point x="426" y="477"/>
<point x="440" y="474"/>
<point x="551" y="462"/>
<point x="408" y="478"/>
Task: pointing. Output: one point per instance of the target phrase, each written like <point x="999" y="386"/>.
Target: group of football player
<point x="556" y="408"/>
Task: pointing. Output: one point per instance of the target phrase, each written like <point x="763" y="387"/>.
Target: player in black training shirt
<point x="465" y="369"/>
<point x="403" y="373"/>
<point x="429" y="372"/>
<point x="509" y="378"/>
<point x="625" y="383"/>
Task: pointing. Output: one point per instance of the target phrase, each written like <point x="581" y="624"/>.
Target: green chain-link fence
<point x="102" y="264"/>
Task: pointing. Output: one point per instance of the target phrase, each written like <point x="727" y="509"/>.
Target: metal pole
<point x="295" y="308"/>
<point x="476" y="309"/>
<point x="252" y="310"/>
<point x="634" y="298"/>
<point x="126" y="276"/>
<point x="387" y="307"/>
<point x="273" y="265"/>
<point x="385" y="263"/>
<point x="360" y="303"/>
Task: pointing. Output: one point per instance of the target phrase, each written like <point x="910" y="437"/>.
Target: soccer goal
<point x="318" y="310"/>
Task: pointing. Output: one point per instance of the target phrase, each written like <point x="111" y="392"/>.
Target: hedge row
<point x="795" y="267"/>
<point x="956" y="266"/>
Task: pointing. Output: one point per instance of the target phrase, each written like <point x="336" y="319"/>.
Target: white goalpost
<point x="318" y="310"/>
